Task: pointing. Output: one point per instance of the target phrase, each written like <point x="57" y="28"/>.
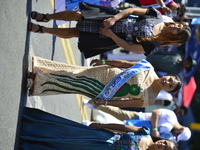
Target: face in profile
<point x="175" y="28"/>
<point x="164" y="145"/>
<point x="168" y="83"/>
<point x="179" y="111"/>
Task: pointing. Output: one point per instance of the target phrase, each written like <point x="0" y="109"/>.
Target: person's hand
<point x="167" y="10"/>
<point x="107" y="23"/>
<point x="96" y="125"/>
<point x="99" y="102"/>
<point x="106" y="32"/>
<point x="95" y="62"/>
<point x="155" y="133"/>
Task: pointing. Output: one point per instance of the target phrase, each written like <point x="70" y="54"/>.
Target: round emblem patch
<point x="134" y="89"/>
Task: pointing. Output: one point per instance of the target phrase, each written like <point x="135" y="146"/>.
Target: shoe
<point x="30" y="26"/>
<point x="44" y="17"/>
<point x="29" y="83"/>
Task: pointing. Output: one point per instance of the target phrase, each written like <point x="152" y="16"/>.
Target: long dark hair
<point x="178" y="86"/>
<point x="168" y="38"/>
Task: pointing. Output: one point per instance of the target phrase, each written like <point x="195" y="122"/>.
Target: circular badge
<point x="134" y="89"/>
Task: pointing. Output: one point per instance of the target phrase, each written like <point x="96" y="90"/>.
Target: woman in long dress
<point x="134" y="29"/>
<point x="134" y="82"/>
<point x="44" y="131"/>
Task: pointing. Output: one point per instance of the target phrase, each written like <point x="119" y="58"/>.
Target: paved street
<point x="17" y="47"/>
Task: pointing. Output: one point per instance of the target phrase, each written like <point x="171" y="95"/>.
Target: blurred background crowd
<point x="182" y="60"/>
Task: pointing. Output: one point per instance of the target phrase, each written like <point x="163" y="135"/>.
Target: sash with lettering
<point x="114" y="85"/>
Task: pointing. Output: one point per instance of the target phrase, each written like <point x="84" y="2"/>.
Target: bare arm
<point x="154" y="122"/>
<point x="130" y="11"/>
<point x="121" y="103"/>
<point x="166" y="9"/>
<point x="160" y="2"/>
<point x="125" y="13"/>
<point x="114" y="63"/>
<point x="121" y="42"/>
<point x="118" y="127"/>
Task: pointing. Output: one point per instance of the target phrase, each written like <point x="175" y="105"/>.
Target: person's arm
<point x="166" y="9"/>
<point x="120" y="103"/>
<point x="118" y="127"/>
<point x="122" y="43"/>
<point x="114" y="63"/>
<point x="154" y="122"/>
<point x="124" y="13"/>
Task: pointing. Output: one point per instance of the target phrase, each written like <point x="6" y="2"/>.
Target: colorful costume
<point x="44" y="131"/>
<point x="127" y="28"/>
<point x="59" y="78"/>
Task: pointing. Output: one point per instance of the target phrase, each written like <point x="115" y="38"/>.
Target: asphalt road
<point x="17" y="47"/>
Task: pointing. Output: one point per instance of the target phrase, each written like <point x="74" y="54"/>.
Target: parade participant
<point x="171" y="62"/>
<point x="165" y="7"/>
<point x="108" y="29"/>
<point x="105" y="84"/>
<point x="42" y="130"/>
<point x="162" y="122"/>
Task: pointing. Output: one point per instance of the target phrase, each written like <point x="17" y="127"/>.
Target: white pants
<point x="128" y="57"/>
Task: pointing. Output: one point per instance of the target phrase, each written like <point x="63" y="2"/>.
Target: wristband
<point x="106" y="103"/>
<point x="163" y="6"/>
<point x="155" y="129"/>
<point x="103" y="61"/>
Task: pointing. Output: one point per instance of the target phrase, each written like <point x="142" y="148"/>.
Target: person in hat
<point x="181" y="133"/>
<point x="162" y="122"/>
<point x="170" y="62"/>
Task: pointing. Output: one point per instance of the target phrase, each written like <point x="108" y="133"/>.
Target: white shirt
<point x="163" y="95"/>
<point x="166" y="119"/>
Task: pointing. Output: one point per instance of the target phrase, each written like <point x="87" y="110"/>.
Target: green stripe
<point x="64" y="87"/>
<point x="84" y="85"/>
<point x="96" y="89"/>
<point x="90" y="80"/>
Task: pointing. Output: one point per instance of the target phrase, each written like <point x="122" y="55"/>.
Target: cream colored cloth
<point x="53" y="78"/>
